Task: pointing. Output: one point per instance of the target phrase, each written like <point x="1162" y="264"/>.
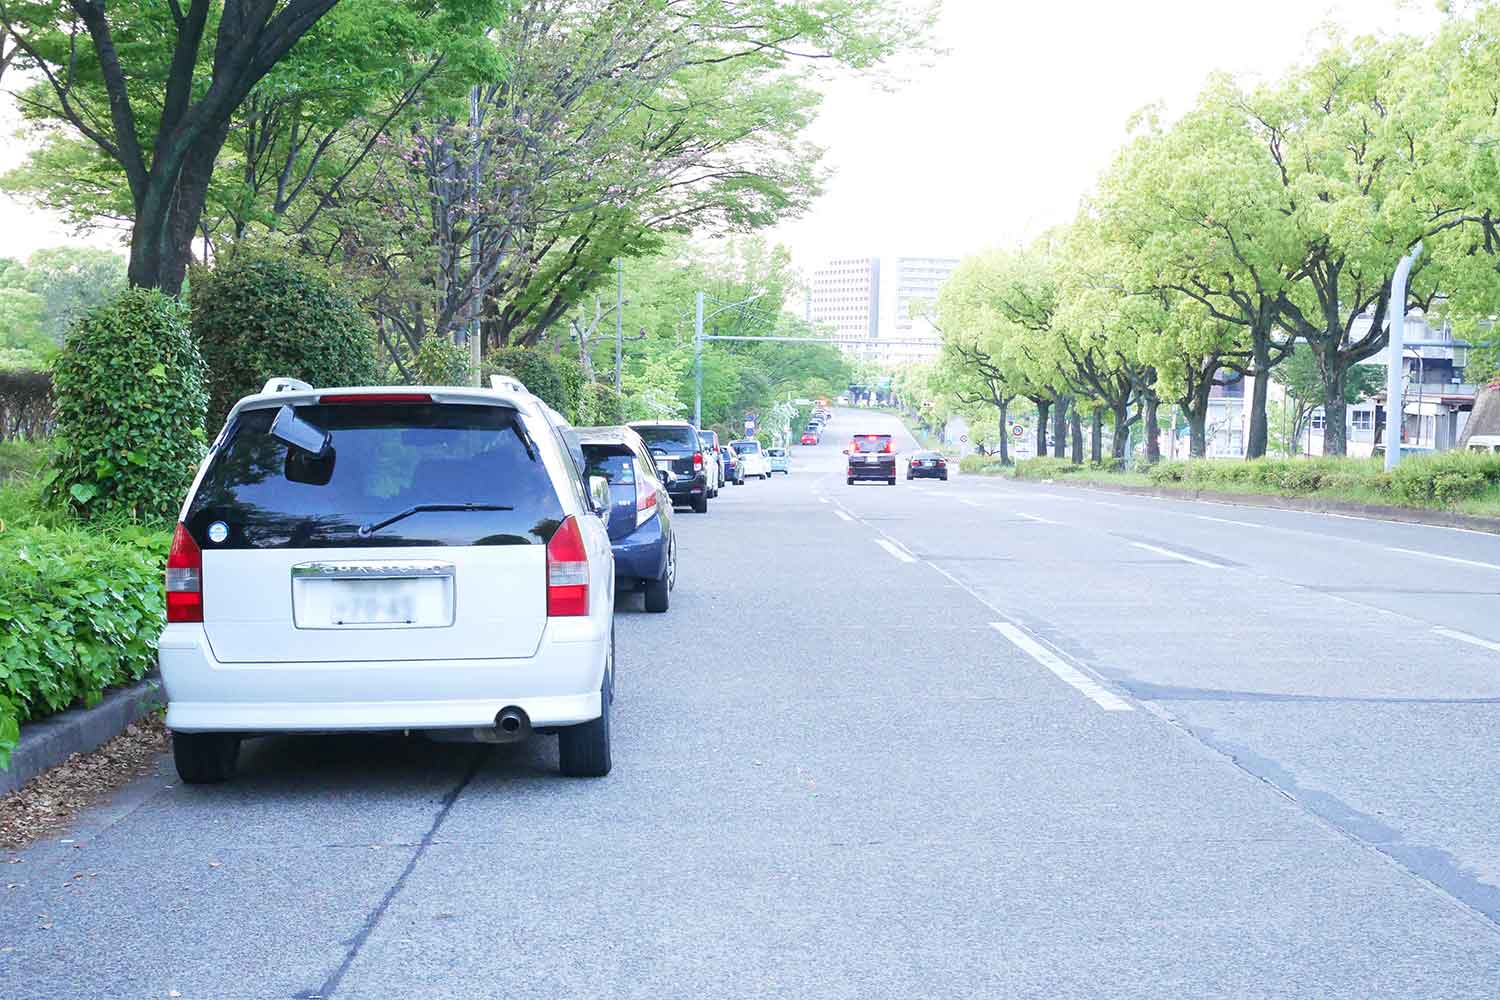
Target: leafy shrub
<point x="130" y="405"/>
<point x="599" y="405"/>
<point x="538" y="370"/>
<point x="79" y="613"/>
<point x="25" y="402"/>
<point x="1451" y="487"/>
<point x="572" y="383"/>
<point x="1046" y="468"/>
<point x="441" y="362"/>
<point x="261" y="312"/>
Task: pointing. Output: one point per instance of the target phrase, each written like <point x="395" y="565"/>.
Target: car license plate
<point x="872" y="459"/>
<point x="422" y="602"/>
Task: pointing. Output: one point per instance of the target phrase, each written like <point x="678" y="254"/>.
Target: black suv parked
<point x="680" y="458"/>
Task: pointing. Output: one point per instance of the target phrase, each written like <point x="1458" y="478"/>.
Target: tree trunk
<point x="1149" y="404"/>
<point x="1197" y="433"/>
<point x="1121" y="438"/>
<point x="1255" y="443"/>
<point x="1003" y="406"/>
<point x="1335" y="430"/>
<point x="1060" y="426"/>
<point x="167" y="218"/>
<point x="1096" y="436"/>
<point x="1077" y="429"/>
<point x="1043" y="406"/>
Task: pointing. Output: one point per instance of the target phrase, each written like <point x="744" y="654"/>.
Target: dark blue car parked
<point x="640" y="512"/>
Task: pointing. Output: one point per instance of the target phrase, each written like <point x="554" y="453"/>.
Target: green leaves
<point x="80" y="611"/>
<point x="128" y="445"/>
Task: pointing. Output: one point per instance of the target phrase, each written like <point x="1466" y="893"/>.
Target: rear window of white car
<point x="383" y="461"/>
<point x="747" y="446"/>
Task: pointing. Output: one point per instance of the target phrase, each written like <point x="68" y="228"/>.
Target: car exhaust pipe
<point x="512" y="721"/>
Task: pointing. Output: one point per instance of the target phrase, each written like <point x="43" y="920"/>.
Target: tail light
<point x="697" y="461"/>
<point x="888" y="448"/>
<point x="184" y="578"/>
<point x="645" y="507"/>
<point x="567" y="572"/>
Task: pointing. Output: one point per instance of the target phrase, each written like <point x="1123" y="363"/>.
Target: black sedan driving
<point x="927" y="465"/>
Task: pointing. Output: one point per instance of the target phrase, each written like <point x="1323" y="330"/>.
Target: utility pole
<point x="619" y="321"/>
<point x="476" y="292"/>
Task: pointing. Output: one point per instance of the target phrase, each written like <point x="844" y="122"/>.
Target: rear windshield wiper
<point x="366" y="530"/>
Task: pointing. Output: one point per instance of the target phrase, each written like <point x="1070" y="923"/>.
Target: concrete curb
<point x="1374" y="512"/>
<point x="48" y="742"/>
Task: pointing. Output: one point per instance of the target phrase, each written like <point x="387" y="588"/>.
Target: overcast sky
<point x="1000" y="139"/>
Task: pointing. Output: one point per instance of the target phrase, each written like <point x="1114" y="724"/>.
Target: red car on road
<point x="809" y="438"/>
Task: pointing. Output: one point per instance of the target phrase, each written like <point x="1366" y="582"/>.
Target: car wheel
<point x="850" y="481"/>
<point x="891" y="481"/>
<point x="583" y="750"/>
<point x="205" y="758"/>
<point x="659" y="592"/>
<point x="945" y="477"/>
<point x="700" y="505"/>
<point x="908" y="477"/>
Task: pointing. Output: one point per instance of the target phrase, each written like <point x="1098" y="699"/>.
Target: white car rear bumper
<point x="559" y="686"/>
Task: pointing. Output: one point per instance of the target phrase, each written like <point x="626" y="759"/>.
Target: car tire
<point x="891" y="481"/>
<point x="850" y="481"/>
<point x="205" y="758"/>
<point x="700" y="505"/>
<point x="659" y="591"/>
<point x="583" y="750"/>
<point x="945" y="477"/>
<point x="908" y="477"/>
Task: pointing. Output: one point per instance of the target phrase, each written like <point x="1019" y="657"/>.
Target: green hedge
<point x="79" y="612"/>
<point x="1420" y="481"/>
<point x="540" y="371"/>
<point x="130" y="399"/>
<point x="262" y="312"/>
<point x="599" y="405"/>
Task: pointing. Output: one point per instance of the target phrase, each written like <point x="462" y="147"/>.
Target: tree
<point x="145" y="85"/>
<point x="1301" y="376"/>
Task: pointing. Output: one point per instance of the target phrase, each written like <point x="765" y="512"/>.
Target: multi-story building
<point x="845" y="297"/>
<point x="918" y="280"/>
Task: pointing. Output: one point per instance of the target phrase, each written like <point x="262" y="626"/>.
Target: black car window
<point x="612" y="462"/>
<point x="665" y="435"/>
<point x="871" y="443"/>
<point x="383" y="460"/>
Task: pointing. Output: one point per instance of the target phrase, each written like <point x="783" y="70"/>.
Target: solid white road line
<point x="1472" y="640"/>
<point x="1225" y="520"/>
<point x="1176" y="555"/>
<point x="1068" y="674"/>
<point x="822" y="500"/>
<point x="969" y="503"/>
<point x="1033" y="517"/>
<point x="895" y="550"/>
<point x="843" y="515"/>
<point x="1434" y="555"/>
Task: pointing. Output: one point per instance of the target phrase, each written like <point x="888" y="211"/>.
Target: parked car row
<point x="439" y="560"/>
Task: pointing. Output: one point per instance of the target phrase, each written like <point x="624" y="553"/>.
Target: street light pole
<point x="698" y="365"/>
<point x="1395" y="404"/>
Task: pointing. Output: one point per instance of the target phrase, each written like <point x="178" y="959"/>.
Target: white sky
<point x="1001" y="138"/>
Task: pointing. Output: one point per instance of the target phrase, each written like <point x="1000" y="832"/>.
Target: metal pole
<point x="698" y="366"/>
<point x="619" y="320"/>
<point x="1395" y="404"/>
<point x="476" y="292"/>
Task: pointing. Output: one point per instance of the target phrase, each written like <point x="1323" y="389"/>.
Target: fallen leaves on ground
<point x="47" y="802"/>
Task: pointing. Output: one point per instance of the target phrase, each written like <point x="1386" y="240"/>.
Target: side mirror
<point x="846" y="451"/>
<point x="599" y="493"/>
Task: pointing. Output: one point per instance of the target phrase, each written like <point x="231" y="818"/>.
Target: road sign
<point x="963" y="439"/>
<point x="1018" y="431"/>
<point x="749" y="425"/>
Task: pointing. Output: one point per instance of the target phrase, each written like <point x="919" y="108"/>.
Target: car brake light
<point x="697" y="460"/>
<point x="184" y="578"/>
<point x="888" y="447"/>
<point x="567" y="572"/>
<point x="376" y="397"/>
<point x="645" y="507"/>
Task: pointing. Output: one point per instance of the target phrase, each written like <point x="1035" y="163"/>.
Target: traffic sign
<point x="1018" y="431"/>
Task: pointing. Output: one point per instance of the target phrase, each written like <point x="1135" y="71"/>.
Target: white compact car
<point x="752" y="458"/>
<point x="390" y="559"/>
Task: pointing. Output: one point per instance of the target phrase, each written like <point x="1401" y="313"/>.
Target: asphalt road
<point x="964" y="739"/>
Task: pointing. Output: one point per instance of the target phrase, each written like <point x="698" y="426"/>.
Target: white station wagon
<point x="401" y="558"/>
